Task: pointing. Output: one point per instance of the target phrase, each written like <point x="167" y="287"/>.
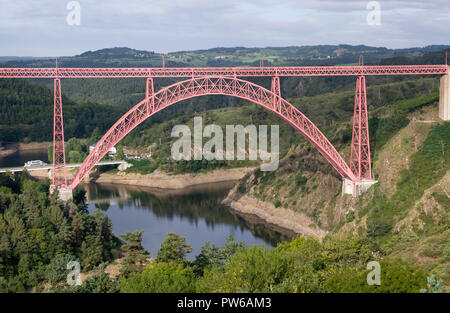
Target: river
<point x="195" y="213"/>
<point x="20" y="157"/>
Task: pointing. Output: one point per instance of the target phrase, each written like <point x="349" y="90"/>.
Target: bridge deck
<point x="50" y="166"/>
<point x="224" y="71"/>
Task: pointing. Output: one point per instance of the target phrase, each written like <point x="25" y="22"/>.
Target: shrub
<point x="276" y="203"/>
<point x="396" y="276"/>
<point x="255" y="269"/>
<point x="350" y="216"/>
<point x="377" y="226"/>
<point x="300" y="180"/>
<point x="160" y="278"/>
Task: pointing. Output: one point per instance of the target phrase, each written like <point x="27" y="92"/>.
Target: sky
<point x="50" y="27"/>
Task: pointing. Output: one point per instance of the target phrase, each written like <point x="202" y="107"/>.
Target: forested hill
<point x="238" y="56"/>
<point x="26" y="106"/>
<point x="26" y="113"/>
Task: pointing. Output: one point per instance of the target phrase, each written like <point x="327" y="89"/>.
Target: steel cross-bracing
<point x="223" y="81"/>
<point x="59" y="177"/>
<point x="360" y="163"/>
<point x="195" y="87"/>
<point x="360" y="70"/>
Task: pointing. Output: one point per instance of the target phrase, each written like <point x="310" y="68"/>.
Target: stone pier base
<point x="64" y="194"/>
<point x="444" y="101"/>
<point x="356" y="189"/>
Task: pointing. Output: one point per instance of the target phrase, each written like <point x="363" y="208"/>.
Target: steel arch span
<point x="220" y="85"/>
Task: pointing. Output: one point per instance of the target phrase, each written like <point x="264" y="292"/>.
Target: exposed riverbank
<point x="163" y="180"/>
<point x="297" y="222"/>
<point x="160" y="180"/>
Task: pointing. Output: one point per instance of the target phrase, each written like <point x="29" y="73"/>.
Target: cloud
<point x="39" y="27"/>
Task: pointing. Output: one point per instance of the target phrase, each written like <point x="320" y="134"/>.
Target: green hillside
<point x="406" y="214"/>
<point x="403" y="221"/>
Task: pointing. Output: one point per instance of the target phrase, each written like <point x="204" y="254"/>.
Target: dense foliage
<point x="26" y="110"/>
<point x="40" y="235"/>
<point x="302" y="265"/>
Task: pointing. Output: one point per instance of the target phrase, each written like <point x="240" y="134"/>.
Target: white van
<point x="35" y="163"/>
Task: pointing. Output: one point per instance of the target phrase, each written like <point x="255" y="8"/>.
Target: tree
<point x="39" y="234"/>
<point x="305" y="279"/>
<point x="92" y="251"/>
<point x="56" y="272"/>
<point x="136" y="255"/>
<point x="74" y="145"/>
<point x="79" y="197"/>
<point x="75" y="157"/>
<point x="120" y="154"/>
<point x="173" y="249"/>
<point x="211" y="256"/>
<point x="50" y="153"/>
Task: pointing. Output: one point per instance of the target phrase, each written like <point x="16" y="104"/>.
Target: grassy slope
<point x="407" y="213"/>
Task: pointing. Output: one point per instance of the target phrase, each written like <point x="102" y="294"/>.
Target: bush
<point x="255" y="269"/>
<point x="160" y="278"/>
<point x="300" y="180"/>
<point x="397" y="276"/>
<point x="350" y="216"/>
<point x="100" y="282"/>
<point x="377" y="227"/>
<point x="276" y="203"/>
<point x="304" y="280"/>
<point x="142" y="166"/>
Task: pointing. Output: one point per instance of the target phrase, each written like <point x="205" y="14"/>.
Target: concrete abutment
<point x="444" y="101"/>
<point x="356" y="188"/>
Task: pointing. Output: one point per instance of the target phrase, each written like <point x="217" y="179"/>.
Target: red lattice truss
<point x="221" y="81"/>
<point x="361" y="70"/>
<point x="213" y="86"/>
<point x="59" y="177"/>
<point x="360" y="162"/>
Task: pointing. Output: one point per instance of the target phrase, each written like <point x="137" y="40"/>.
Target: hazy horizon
<point x="45" y="28"/>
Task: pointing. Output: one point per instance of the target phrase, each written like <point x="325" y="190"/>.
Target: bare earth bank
<point x="163" y="180"/>
<point x="297" y="222"/>
<point x="158" y="179"/>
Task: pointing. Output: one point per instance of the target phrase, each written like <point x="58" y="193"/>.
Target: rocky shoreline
<point x="288" y="219"/>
